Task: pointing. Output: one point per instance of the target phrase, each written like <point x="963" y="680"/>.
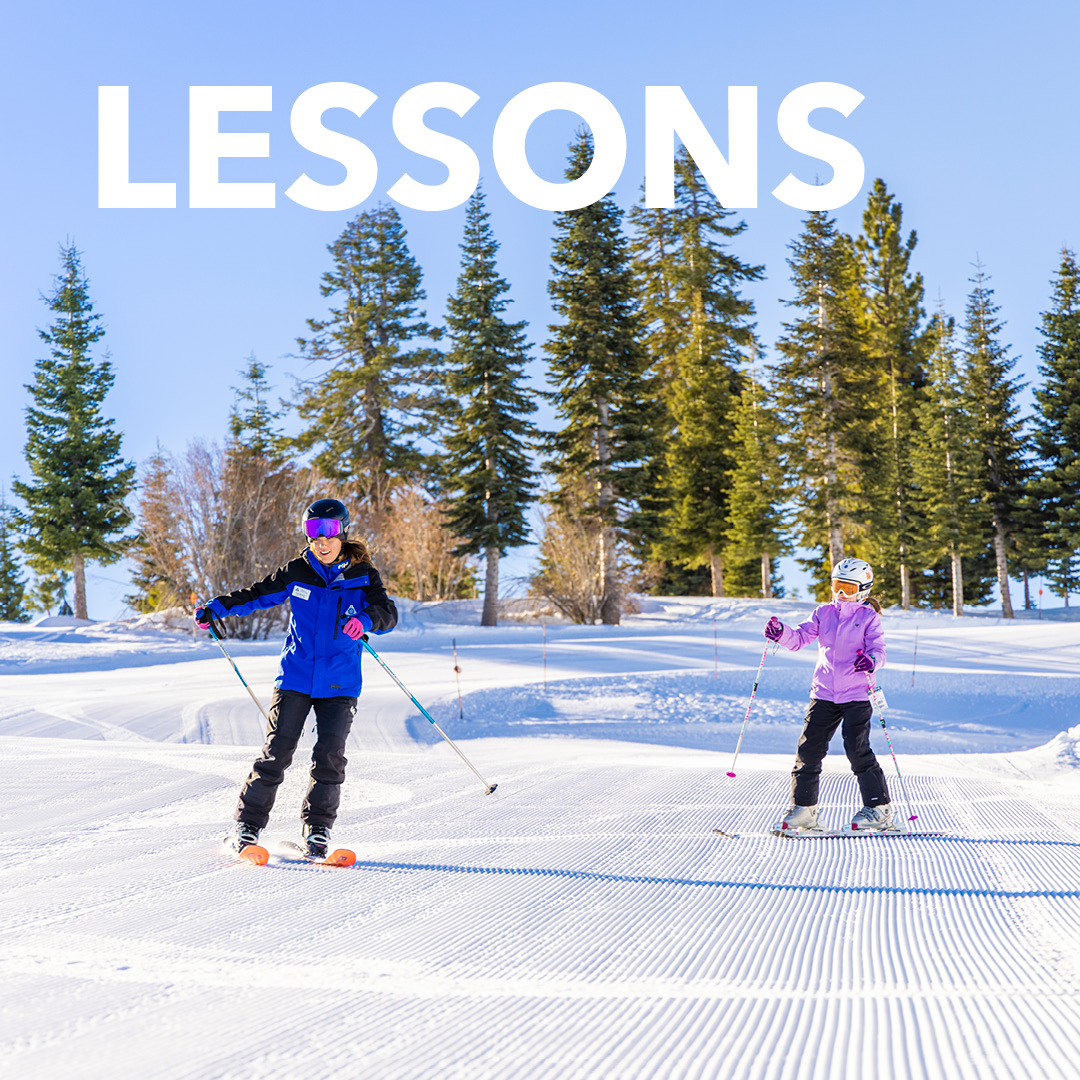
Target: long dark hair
<point x="875" y="603"/>
<point x="357" y="551"/>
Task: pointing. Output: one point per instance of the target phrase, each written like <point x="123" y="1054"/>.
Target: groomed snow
<point x="582" y="921"/>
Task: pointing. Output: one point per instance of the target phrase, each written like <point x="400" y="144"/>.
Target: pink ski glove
<point x="864" y="662"/>
<point x="202" y="618"/>
<point x="773" y="629"/>
<point x="354" y="628"/>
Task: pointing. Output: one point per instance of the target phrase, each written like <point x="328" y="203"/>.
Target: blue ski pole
<point x="488" y="788"/>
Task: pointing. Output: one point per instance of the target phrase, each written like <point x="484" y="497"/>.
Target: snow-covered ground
<point x="582" y="921"/>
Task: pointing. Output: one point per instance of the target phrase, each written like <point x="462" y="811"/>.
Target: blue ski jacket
<point x="318" y="659"/>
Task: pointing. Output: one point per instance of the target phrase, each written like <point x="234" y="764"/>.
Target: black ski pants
<point x="288" y="712"/>
<point x="822" y="720"/>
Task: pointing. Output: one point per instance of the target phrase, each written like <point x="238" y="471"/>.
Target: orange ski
<point x="255" y="854"/>
<point x="340" y="857"/>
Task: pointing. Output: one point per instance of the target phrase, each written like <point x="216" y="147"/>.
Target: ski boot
<point x="876" y="818"/>
<point x="240" y="836"/>
<point x="798" y="819"/>
<point x="242" y="841"/>
<point x="317" y="838"/>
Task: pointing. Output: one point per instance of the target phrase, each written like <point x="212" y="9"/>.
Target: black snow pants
<point x="288" y="712"/>
<point x="822" y="720"/>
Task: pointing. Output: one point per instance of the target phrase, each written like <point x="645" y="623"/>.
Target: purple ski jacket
<point x="842" y="629"/>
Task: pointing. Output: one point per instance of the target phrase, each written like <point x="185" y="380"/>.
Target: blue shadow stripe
<point x="997" y="840"/>
<point x="631" y="879"/>
<point x="947" y="839"/>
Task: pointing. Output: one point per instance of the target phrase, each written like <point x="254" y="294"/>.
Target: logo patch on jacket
<point x="351" y="611"/>
<point x="301" y="593"/>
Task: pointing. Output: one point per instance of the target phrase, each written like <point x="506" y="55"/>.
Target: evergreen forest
<point x="683" y="454"/>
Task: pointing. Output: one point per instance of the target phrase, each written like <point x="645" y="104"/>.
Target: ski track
<point x="582" y="921"/>
<point x="584" y="898"/>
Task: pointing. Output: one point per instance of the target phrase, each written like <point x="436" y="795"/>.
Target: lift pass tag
<point x="877" y="699"/>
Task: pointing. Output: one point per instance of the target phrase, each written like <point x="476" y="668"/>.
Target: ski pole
<point x="872" y="690"/>
<point x="214" y="634"/>
<point x="488" y="788"/>
<point x="749" y="706"/>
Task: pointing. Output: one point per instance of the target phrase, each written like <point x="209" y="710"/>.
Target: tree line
<point x="685" y="456"/>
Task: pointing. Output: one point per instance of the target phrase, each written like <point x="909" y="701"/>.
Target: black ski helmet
<point x="332" y="509"/>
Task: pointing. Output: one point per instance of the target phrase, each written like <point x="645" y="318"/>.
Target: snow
<point x="582" y="921"/>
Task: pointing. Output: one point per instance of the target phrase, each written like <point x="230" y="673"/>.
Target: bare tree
<point x="215" y="520"/>
<point x="570" y="575"/>
<point x="411" y="542"/>
<point x="418" y="550"/>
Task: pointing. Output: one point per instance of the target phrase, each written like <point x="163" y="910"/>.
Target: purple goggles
<point x="322" y="527"/>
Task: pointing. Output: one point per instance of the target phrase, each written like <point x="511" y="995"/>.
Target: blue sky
<point x="969" y="115"/>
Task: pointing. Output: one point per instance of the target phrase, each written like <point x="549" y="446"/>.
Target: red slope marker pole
<point x="544" y="625"/>
<point x="457" y="673"/>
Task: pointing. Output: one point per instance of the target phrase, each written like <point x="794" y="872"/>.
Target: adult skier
<point x="336" y="595"/>
<point x="851" y="644"/>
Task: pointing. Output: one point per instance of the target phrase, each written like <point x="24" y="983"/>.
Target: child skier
<point x="850" y="644"/>
<point x="336" y="595"/>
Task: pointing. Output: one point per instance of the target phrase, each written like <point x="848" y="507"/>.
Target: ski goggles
<point x="846" y="588"/>
<point x="322" y="527"/>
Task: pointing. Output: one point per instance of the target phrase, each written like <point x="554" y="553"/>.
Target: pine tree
<point x="945" y="466"/>
<point x="49" y="591"/>
<point x="1063" y="574"/>
<point x="757" y="531"/>
<point x="936" y="589"/>
<point x="654" y="261"/>
<point x="487" y="470"/>
<point x="12" y="583"/>
<point x="1057" y="429"/>
<point x="699" y="334"/>
<point x="75" y="510"/>
<point x="997" y="429"/>
<point x="824" y="387"/>
<point x="379" y="393"/>
<point x="893" y="314"/>
<point x="598" y="367"/>
<point x="1028" y="554"/>
<point x="253" y="422"/>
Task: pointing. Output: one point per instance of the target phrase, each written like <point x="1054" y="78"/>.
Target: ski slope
<point x="582" y="921"/>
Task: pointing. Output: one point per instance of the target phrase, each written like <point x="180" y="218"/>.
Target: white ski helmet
<point x="856" y="572"/>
